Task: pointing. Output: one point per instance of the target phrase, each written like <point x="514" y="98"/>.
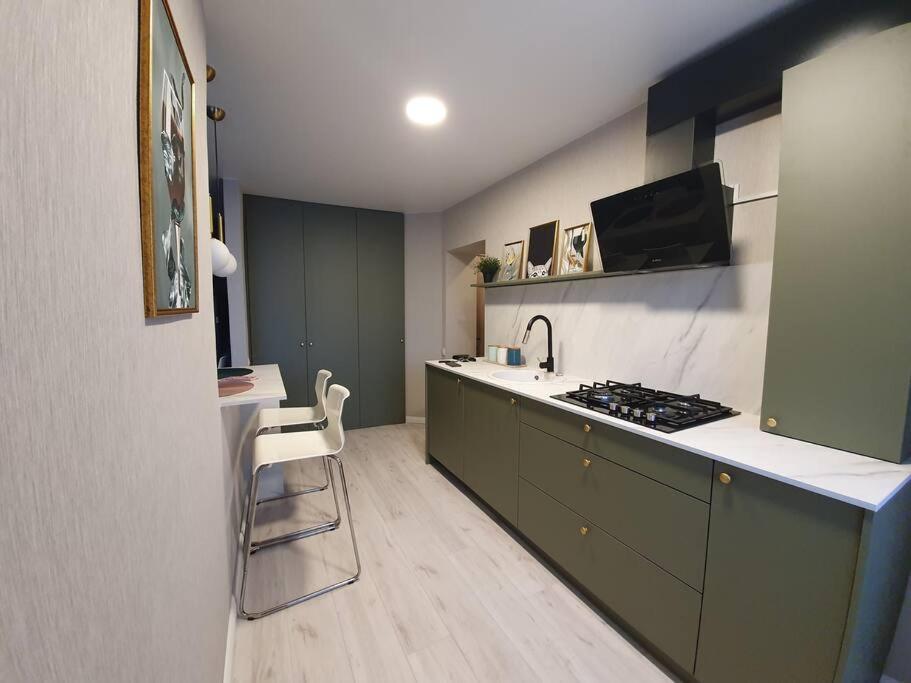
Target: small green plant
<point x="487" y="266"/>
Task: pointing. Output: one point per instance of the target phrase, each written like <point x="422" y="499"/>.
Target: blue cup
<point x="514" y="356"/>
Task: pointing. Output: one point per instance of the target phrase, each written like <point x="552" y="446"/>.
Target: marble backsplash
<point x="693" y="331"/>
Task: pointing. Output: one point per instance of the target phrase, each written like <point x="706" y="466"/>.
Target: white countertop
<point x="738" y="441"/>
<point x="267" y="386"/>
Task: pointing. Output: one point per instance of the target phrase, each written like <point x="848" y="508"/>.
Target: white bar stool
<point x="272" y="449"/>
<point x="275" y="418"/>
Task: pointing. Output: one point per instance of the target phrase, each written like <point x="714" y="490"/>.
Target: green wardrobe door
<point x="330" y="253"/>
<point x="838" y="358"/>
<point x="444" y="419"/>
<point x="778" y="579"/>
<point x="381" y="316"/>
<point x="274" y="253"/>
<point x="491" y="461"/>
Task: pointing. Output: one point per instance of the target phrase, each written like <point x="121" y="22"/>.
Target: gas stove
<point x="660" y="410"/>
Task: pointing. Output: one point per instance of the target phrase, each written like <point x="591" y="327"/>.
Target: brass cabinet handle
<point x="586" y="428"/>
<point x="771" y="422"/>
<point x="583" y="530"/>
<point x="586" y="462"/>
<point x="724" y="478"/>
<point x="459" y="381"/>
<point x="513" y="401"/>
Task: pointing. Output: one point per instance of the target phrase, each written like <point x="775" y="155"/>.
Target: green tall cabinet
<point x="838" y="363"/>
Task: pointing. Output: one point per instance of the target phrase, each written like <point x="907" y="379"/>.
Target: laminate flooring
<point x="446" y="593"/>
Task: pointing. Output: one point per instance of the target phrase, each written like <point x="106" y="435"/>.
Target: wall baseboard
<point x="414" y="419"/>
<point x="229" y="641"/>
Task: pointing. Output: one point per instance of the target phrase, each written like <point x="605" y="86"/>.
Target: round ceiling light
<point x="425" y="110"/>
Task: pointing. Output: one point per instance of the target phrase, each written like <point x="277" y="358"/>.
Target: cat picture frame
<point x="542" y="250"/>
<point x="513" y="264"/>
<point x="575" y="249"/>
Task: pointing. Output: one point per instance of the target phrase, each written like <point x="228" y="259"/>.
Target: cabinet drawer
<point x="660" y="607"/>
<point x="684" y="471"/>
<point x="667" y="526"/>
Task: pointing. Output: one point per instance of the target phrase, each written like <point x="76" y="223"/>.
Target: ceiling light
<point x="425" y="110"/>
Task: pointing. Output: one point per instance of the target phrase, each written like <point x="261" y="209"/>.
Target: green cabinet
<point x="667" y="526"/>
<point x="779" y="575"/>
<point x="840" y="282"/>
<point x="663" y="609"/>
<point x="444" y="419"/>
<point x="491" y="450"/>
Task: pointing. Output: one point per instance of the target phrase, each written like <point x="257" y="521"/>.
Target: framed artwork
<point x="167" y="164"/>
<point x="542" y="250"/>
<point x="575" y="255"/>
<point x="513" y="261"/>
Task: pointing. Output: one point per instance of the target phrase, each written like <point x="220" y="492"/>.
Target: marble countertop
<point x="865" y="482"/>
<point x="267" y="386"/>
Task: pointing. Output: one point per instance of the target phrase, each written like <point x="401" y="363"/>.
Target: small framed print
<point x="542" y="250"/>
<point x="575" y="251"/>
<point x="513" y="261"/>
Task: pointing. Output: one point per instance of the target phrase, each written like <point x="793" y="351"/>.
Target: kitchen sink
<point x="523" y="376"/>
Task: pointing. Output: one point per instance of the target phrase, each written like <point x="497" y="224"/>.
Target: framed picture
<point x="575" y="255"/>
<point x="542" y="250"/>
<point x="513" y="261"/>
<point x="167" y="164"/>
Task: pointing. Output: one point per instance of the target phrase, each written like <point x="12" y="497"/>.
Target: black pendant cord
<point x="215" y="126"/>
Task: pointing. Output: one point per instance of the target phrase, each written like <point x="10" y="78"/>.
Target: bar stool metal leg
<point x="309" y="531"/>
<point x="251" y="515"/>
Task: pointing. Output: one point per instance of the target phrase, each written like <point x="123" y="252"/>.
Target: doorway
<point x="464" y="303"/>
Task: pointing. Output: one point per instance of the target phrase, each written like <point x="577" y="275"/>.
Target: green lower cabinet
<point x="660" y="607"/>
<point x="491" y="452"/>
<point x="779" y="574"/>
<point x="665" y="525"/>
<point x="444" y="419"/>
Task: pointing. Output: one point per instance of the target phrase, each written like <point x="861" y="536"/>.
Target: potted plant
<point x="487" y="266"/>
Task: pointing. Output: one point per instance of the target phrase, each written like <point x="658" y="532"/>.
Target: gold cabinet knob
<point x="586" y="428"/>
<point x="583" y="530"/>
<point x="459" y="380"/>
<point x="513" y="401"/>
<point x="724" y="478"/>
<point x="771" y="422"/>
<point x="586" y="462"/>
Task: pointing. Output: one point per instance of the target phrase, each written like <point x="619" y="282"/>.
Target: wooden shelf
<point x="542" y="280"/>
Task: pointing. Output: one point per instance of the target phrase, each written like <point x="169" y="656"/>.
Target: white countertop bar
<point x="267" y="386"/>
<point x="865" y="482"/>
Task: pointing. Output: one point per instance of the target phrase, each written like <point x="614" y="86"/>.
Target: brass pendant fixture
<point x="210" y="73"/>
<point x="215" y="113"/>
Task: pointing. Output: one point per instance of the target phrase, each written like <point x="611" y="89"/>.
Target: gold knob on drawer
<point x="586" y="428"/>
<point x="583" y="530"/>
<point x="724" y="478"/>
<point x="513" y="401"/>
<point x="586" y="462"/>
<point x="771" y="422"/>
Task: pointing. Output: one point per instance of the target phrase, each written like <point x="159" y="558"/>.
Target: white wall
<point x="423" y="303"/>
<point x="114" y="559"/>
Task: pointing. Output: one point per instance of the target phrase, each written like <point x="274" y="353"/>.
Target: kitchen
<point x="661" y="432"/>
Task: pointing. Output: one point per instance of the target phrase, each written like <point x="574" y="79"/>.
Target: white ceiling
<point x="315" y="90"/>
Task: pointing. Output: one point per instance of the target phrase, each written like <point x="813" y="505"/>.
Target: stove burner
<point x="659" y="410"/>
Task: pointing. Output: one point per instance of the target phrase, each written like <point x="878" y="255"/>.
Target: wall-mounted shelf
<point x="541" y="280"/>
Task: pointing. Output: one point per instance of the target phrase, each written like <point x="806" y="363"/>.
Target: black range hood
<point x="682" y="221"/>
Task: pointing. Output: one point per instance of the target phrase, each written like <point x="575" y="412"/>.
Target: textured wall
<point x="113" y="565"/>
<point x="423" y="303"/>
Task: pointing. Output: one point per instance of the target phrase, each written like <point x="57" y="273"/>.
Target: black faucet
<point x="548" y="364"/>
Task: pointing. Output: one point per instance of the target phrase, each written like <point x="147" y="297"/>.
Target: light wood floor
<point x="446" y="594"/>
